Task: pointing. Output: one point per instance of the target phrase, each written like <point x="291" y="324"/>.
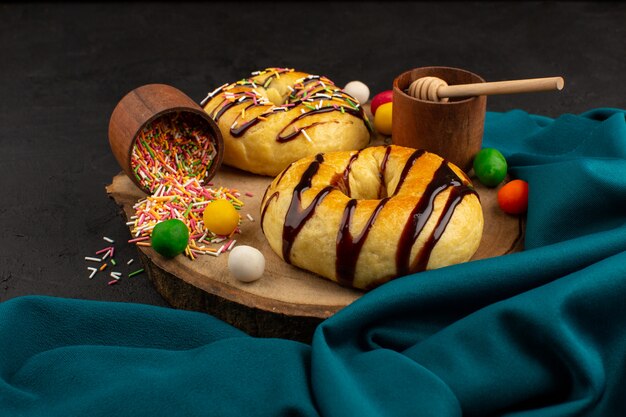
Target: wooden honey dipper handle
<point x="436" y="89"/>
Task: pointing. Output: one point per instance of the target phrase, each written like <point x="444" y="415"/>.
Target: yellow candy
<point x="382" y="118"/>
<point x="220" y="217"/>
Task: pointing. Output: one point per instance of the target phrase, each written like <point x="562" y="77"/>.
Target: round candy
<point x="358" y="90"/>
<point x="513" y="197"/>
<point x="381" y="98"/>
<point x="220" y="217"/>
<point x="382" y="118"/>
<point x="170" y="237"/>
<point x="246" y="263"/>
<point x="490" y="167"/>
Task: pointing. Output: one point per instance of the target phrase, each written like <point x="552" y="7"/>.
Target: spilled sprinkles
<point x="184" y="199"/>
<point x="171" y="158"/>
<point x="104" y="254"/>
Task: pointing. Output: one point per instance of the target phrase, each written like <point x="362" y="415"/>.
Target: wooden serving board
<point x="287" y="302"/>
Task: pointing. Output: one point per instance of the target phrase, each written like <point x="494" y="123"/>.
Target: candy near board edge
<point x="384" y="103"/>
<point x="285" y="294"/>
<point x="513" y="197"/>
<point x="379" y="99"/>
<point x="246" y="263"/>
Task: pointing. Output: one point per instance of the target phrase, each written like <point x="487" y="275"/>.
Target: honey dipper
<point x="436" y="89"/>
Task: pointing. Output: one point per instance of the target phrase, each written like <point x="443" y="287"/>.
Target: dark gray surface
<point x="64" y="67"/>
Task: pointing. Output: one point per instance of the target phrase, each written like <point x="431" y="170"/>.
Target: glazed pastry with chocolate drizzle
<point x="278" y="116"/>
<point x="362" y="218"/>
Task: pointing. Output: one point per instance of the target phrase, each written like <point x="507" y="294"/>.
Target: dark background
<point x="63" y="69"/>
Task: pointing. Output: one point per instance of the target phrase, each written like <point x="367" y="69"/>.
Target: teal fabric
<point x="537" y="333"/>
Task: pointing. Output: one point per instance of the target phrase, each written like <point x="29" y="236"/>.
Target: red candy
<point x="381" y="98"/>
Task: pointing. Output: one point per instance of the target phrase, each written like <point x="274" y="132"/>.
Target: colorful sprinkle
<point x="139" y="239"/>
<point x="171" y="145"/>
<point x="181" y="198"/>
<point x="103" y="250"/>
<point x="94" y="271"/>
<point x="317" y="90"/>
<point x="137" y="272"/>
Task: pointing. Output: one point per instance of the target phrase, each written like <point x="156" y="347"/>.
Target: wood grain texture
<point x="284" y="289"/>
<point x="287" y="302"/>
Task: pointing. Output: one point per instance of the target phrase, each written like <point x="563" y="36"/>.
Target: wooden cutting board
<point x="287" y="302"/>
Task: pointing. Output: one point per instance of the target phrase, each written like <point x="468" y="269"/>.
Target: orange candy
<point x="513" y="197"/>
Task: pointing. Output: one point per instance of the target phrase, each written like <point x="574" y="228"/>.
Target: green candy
<point x="490" y="167"/>
<point x="170" y="237"/>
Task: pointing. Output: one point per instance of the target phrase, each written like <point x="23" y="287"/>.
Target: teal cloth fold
<point x="537" y="333"/>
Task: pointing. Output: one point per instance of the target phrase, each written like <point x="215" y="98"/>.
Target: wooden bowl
<point x="145" y="104"/>
<point x="453" y="130"/>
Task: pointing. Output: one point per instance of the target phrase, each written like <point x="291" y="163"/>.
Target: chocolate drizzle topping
<point x="296" y="132"/>
<point x="349" y="245"/>
<point x="454" y="198"/>
<point x="297" y="216"/>
<point x="217" y="114"/>
<point x="407" y="167"/>
<point x="267" y="204"/>
<point x="238" y="131"/>
<point x="291" y="136"/>
<point x="303" y="97"/>
<point x="381" y="174"/>
<point x="345" y="176"/>
<point x="443" y="178"/>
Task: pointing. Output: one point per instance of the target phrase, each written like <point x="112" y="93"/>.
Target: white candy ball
<point x="246" y="263"/>
<point x="358" y="90"/>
